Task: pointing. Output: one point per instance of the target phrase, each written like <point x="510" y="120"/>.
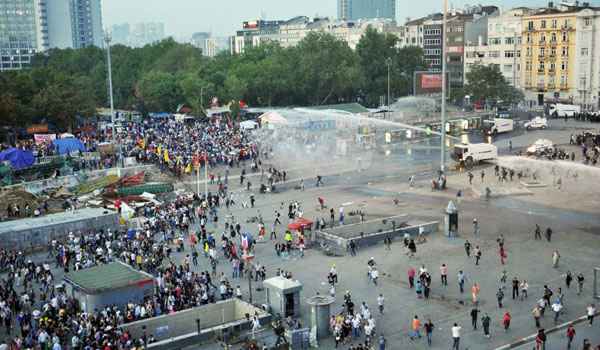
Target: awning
<point x="300" y="223"/>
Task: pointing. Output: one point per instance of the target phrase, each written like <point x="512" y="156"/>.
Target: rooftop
<point x="346" y="107"/>
<point x="53" y="219"/>
<point x="111" y="276"/>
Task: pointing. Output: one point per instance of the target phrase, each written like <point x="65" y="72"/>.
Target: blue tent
<point x="18" y="158"/>
<point x="68" y="145"/>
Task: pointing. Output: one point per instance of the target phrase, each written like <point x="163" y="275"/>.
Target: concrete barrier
<point x="337" y="242"/>
<point x="196" y="325"/>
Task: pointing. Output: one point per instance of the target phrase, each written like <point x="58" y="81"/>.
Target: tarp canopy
<point x="248" y="124"/>
<point x="272" y="118"/>
<point x="68" y="145"/>
<point x="300" y="223"/>
<point x="18" y="158"/>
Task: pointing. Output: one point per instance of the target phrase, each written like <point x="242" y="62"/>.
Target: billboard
<point x="426" y="83"/>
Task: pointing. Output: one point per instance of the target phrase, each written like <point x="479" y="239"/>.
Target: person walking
<point x="568" y="279"/>
<point x="444" y="275"/>
<point x="411" y="277"/>
<point x="380" y="303"/>
<point x="506" y="321"/>
<point x="538" y="233"/>
<point x="477" y="253"/>
<point x="475" y="227"/>
<point x="515" y="288"/>
<point x="456" y="336"/>
<point x="500" y="297"/>
<point x="524" y="286"/>
<point x="474" y="314"/>
<point x="468" y="248"/>
<point x="549" y="234"/>
<point x="475" y="293"/>
<point x="591" y="312"/>
<point x="415" y="328"/>
<point x="556" y="308"/>
<point x="461" y="281"/>
<point x="485" y="323"/>
<point x="429" y="331"/>
<point x="580" y="280"/>
<point x="540" y="340"/>
<point x="570" y="335"/>
<point x="555" y="258"/>
<point x="537" y="313"/>
<point x="382" y="342"/>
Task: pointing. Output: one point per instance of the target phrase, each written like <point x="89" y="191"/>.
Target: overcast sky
<point x="223" y="17"/>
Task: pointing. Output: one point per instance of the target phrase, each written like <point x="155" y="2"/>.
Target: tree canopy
<point x="321" y="69"/>
<point x="486" y="83"/>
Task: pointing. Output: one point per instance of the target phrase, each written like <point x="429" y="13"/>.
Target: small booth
<point x="109" y="284"/>
<point x="320" y="312"/>
<point x="301" y="225"/>
<point x="451" y="220"/>
<point x="283" y="296"/>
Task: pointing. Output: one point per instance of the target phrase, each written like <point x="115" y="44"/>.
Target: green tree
<point x="159" y="92"/>
<point x="486" y="82"/>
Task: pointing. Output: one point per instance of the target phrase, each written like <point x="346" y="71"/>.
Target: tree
<point x="486" y="82"/>
<point x="159" y="92"/>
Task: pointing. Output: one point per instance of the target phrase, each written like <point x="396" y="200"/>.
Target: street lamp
<point x="388" y="61"/>
<point x="443" y="145"/>
<point x="107" y="40"/>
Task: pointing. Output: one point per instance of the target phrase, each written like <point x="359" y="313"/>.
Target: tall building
<point x="146" y="33"/>
<point x="432" y="42"/>
<point x="253" y="33"/>
<point x="560" y="55"/>
<point x="120" y="33"/>
<point x="199" y="40"/>
<point x="28" y="27"/>
<point x="361" y="9"/>
<point x="23" y="32"/>
<point x="500" y="45"/>
<point x="86" y="23"/>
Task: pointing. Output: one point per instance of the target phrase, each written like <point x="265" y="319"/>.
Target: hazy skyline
<point x="184" y="17"/>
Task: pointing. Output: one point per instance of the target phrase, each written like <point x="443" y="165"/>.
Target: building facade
<point x="560" y="57"/>
<point x="146" y="33"/>
<point x="86" y="23"/>
<point x="500" y="45"/>
<point x="350" y="10"/>
<point x="199" y="40"/>
<point x="23" y="32"/>
<point x="28" y="27"/>
<point x="432" y="42"/>
<point x="253" y="33"/>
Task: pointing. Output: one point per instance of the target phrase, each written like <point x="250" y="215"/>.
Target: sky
<point x="224" y="17"/>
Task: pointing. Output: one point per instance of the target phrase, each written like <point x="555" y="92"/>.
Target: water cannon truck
<point x="470" y="154"/>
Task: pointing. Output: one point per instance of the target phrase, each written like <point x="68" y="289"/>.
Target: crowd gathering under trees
<point x="320" y="70"/>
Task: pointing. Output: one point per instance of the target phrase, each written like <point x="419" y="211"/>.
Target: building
<point x="23" y="32"/>
<point x="146" y="33"/>
<point x="215" y="45"/>
<point x="120" y="33"/>
<point x="500" y="44"/>
<point x="414" y="33"/>
<point x="108" y="284"/>
<point x="253" y="33"/>
<point x="199" y="40"/>
<point x="349" y="10"/>
<point x="432" y="42"/>
<point x="28" y="27"/>
<point x="86" y="23"/>
<point x="560" y="55"/>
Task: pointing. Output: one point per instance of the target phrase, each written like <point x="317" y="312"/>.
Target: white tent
<point x="273" y="118"/>
<point x="248" y="125"/>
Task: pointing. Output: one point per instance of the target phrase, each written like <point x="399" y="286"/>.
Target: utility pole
<point x="107" y="39"/>
<point x="388" y="61"/>
<point x="444" y="37"/>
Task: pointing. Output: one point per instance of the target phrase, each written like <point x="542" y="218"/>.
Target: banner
<point x="44" y="138"/>
<point x="37" y="128"/>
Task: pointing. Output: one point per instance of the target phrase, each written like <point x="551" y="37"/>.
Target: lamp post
<point x="388" y="62"/>
<point x="107" y="40"/>
<point x="443" y="145"/>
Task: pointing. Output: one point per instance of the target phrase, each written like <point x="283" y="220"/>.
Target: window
<point x="494" y="54"/>
<point x="552" y="67"/>
<point x="567" y="23"/>
<point x="584" y="51"/>
<point x="587" y="22"/>
<point x="508" y="67"/>
<point x="543" y="38"/>
<point x="543" y="24"/>
<point x="563" y="65"/>
<point x="542" y="66"/>
<point x="529" y="52"/>
<point x="528" y="38"/>
<point x="542" y="52"/>
<point x="553" y="52"/>
<point x="563" y="80"/>
<point x="528" y="66"/>
<point x="509" y="54"/>
<point x="530" y="25"/>
<point x="583" y="82"/>
<point x="565" y="37"/>
<point x="509" y="41"/>
<point x="554" y="23"/>
<point x="495" y="41"/>
<point x="553" y="38"/>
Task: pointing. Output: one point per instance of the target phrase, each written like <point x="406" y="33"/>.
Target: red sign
<point x="37" y="129"/>
<point x="431" y="81"/>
